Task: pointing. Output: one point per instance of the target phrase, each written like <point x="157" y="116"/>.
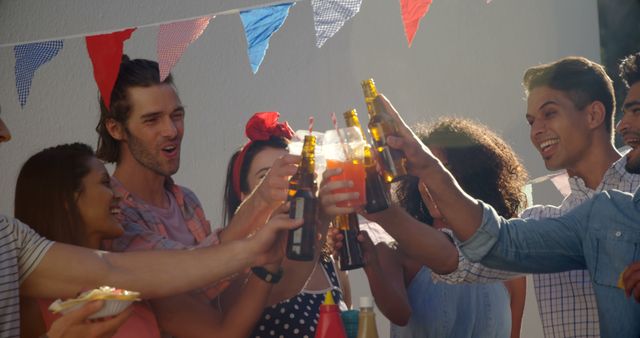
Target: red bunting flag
<point x="105" y="52"/>
<point x="412" y="13"/>
<point x="173" y="40"/>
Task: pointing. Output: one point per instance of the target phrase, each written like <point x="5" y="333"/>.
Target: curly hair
<point x="630" y="69"/>
<point x="484" y="165"/>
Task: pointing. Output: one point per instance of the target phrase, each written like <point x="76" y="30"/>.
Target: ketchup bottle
<point x="330" y="324"/>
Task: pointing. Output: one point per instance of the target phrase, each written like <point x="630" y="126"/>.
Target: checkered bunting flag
<point x="173" y="40"/>
<point x="330" y="15"/>
<point x="29" y="57"/>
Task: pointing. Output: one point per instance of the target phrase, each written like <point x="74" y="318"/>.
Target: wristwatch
<point x="266" y="275"/>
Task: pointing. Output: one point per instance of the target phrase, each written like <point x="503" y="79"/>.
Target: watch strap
<point x="266" y="275"/>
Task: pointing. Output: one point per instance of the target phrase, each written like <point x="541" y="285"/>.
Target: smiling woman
<point x="64" y="193"/>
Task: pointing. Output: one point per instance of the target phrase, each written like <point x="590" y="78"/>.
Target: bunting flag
<point x="105" y="52"/>
<point x="330" y="15"/>
<point x="561" y="182"/>
<point x="412" y="13"/>
<point x="173" y="40"/>
<point x="528" y="193"/>
<point x="259" y="24"/>
<point x="29" y="57"/>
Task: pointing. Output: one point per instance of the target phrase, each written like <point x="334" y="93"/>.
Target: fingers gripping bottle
<point x="380" y="126"/>
<point x="304" y="205"/>
<point x="376" y="191"/>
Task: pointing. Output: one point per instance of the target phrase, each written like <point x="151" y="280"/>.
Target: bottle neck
<point x="366" y="310"/>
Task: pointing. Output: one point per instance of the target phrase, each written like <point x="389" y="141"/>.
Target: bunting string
<point x="260" y="22"/>
<point x="83" y="35"/>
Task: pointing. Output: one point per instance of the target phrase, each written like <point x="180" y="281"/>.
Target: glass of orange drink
<point x="344" y="148"/>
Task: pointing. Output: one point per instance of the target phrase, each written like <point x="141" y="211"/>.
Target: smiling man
<point x="602" y="235"/>
<point x="141" y="131"/>
<point x="570" y="106"/>
<point x="629" y="126"/>
<point x="32" y="266"/>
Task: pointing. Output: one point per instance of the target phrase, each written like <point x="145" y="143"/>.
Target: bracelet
<point x="266" y="275"/>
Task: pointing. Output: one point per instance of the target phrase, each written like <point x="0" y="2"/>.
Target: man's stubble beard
<point x="145" y="157"/>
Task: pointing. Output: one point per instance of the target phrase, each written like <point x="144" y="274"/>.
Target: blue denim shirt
<point x="461" y="311"/>
<point x="601" y="235"/>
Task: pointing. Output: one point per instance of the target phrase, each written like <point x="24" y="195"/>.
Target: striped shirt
<point x="21" y="250"/>
<point x="566" y="300"/>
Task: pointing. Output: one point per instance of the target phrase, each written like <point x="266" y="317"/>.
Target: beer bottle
<point x="304" y="204"/>
<point x="376" y="191"/>
<point x="380" y="126"/>
<point x="351" y="257"/>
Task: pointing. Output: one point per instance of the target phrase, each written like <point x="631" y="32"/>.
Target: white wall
<point x="467" y="59"/>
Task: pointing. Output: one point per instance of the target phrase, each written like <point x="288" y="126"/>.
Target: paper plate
<point x="115" y="301"/>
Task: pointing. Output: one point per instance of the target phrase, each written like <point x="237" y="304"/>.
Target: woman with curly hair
<point x="486" y="167"/>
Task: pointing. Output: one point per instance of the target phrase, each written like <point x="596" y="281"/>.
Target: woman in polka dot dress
<point x="295" y="300"/>
<point x="298" y="316"/>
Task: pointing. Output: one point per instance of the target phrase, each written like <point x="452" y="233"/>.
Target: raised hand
<point x="270" y="239"/>
<point x="272" y="190"/>
<point x="328" y="198"/>
<point x="419" y="157"/>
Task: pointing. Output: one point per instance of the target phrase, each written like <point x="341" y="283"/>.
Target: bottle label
<point x="298" y="206"/>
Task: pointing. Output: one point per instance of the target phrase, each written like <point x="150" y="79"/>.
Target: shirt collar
<point x="125" y="194"/>
<point x="616" y="172"/>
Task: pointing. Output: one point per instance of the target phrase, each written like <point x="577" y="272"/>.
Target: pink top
<point x="141" y="324"/>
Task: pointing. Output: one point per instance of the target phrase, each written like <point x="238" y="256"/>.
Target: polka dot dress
<point x="297" y="316"/>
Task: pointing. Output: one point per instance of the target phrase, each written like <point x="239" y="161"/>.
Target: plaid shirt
<point x="144" y="230"/>
<point x="566" y="300"/>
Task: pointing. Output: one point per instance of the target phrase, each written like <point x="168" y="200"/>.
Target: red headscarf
<point x="260" y="127"/>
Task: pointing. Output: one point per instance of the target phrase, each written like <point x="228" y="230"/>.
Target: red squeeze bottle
<point x="330" y="325"/>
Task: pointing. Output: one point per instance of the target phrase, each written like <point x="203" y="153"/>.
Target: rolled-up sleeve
<point x="476" y="247"/>
<point x="530" y="246"/>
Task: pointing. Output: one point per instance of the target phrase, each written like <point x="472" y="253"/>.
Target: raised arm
<point x="270" y="193"/>
<point x="386" y="279"/>
<point x="65" y="269"/>
<point x="530" y="246"/>
<point x="419" y="241"/>
<point x="463" y="213"/>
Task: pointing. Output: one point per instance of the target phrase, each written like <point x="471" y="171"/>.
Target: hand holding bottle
<point x="268" y="241"/>
<point x="273" y="188"/>
<point x="368" y="248"/>
<point x="419" y="158"/>
<point x="329" y="199"/>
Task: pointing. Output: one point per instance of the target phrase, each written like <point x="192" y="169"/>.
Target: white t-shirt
<point x="21" y="250"/>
